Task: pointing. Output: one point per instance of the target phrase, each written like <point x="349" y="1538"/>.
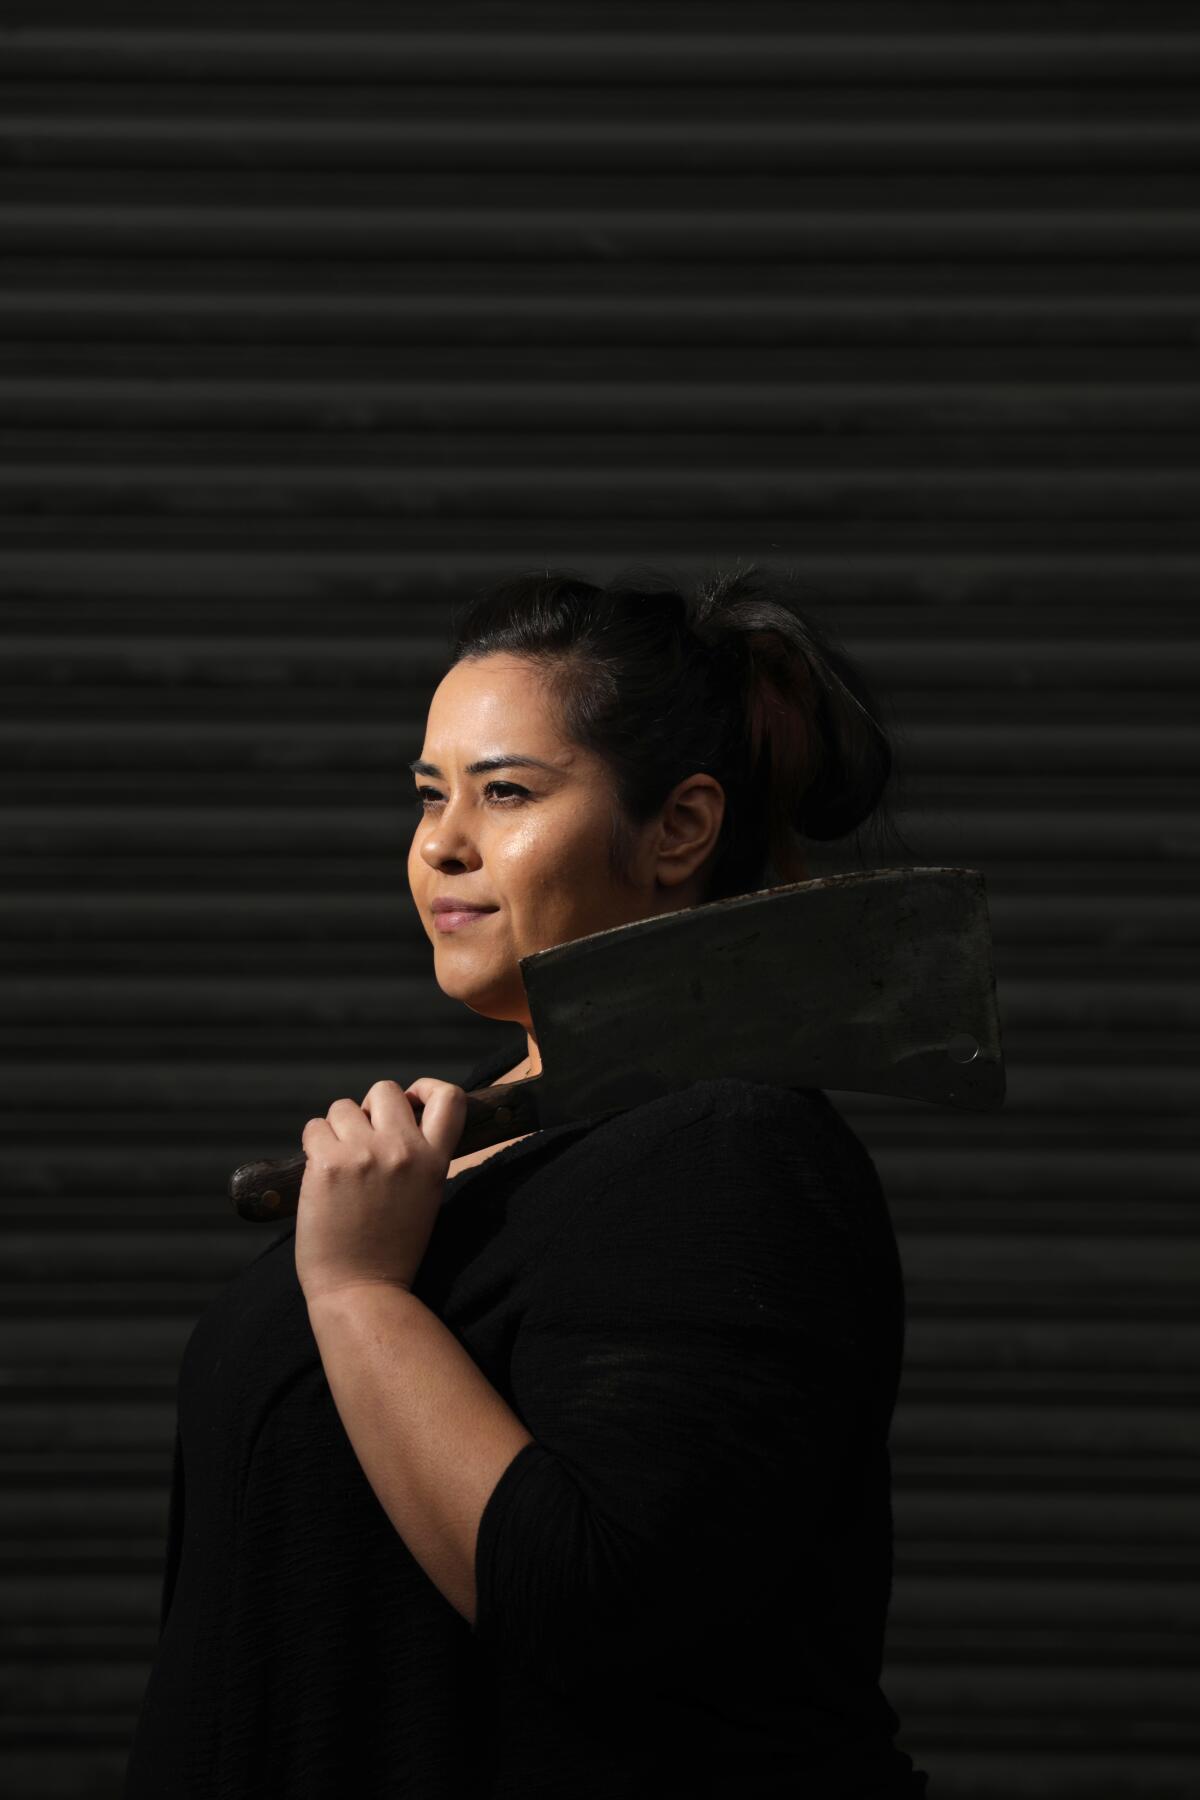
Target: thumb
<point x="443" y="1115"/>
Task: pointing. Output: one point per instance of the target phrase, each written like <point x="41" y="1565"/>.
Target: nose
<point x="447" y="845"/>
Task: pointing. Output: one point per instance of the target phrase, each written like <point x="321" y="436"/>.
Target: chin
<point x="471" y="986"/>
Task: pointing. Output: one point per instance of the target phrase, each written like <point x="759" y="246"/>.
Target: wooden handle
<point x="264" y="1192"/>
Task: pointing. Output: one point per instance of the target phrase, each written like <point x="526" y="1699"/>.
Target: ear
<point x="689" y="828"/>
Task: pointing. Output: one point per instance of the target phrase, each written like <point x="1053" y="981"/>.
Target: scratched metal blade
<point x="879" y="982"/>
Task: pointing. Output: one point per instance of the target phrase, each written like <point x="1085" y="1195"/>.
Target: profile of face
<point x="531" y="840"/>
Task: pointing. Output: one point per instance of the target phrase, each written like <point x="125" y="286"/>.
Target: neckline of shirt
<point x="534" y="1140"/>
<point x="484" y="1074"/>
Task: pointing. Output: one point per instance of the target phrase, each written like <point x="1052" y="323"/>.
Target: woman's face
<point x="532" y="842"/>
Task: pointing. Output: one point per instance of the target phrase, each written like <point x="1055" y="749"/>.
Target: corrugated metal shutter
<point x="308" y="329"/>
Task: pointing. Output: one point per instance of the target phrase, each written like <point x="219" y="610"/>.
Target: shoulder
<point x="726" y="1146"/>
<point x="721" y="1097"/>
<point x="720" y="1193"/>
<point x="729" y="1115"/>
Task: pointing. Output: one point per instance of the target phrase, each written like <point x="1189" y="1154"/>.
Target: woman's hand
<point x="373" y="1184"/>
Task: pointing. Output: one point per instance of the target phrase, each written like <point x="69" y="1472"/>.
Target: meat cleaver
<point x="879" y="981"/>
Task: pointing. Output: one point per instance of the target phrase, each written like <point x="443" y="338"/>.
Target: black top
<point x="696" y="1309"/>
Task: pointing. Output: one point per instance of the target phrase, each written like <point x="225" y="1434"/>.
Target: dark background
<point x="312" y="321"/>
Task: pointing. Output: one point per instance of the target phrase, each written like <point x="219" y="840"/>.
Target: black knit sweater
<point x="696" y="1309"/>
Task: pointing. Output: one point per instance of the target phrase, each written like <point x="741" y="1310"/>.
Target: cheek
<point x="553" y="863"/>
<point x="522" y="862"/>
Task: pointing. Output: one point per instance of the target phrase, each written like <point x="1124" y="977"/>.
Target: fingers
<point x="346" y="1119"/>
<point x="387" y="1109"/>
<point x="436" y="1109"/>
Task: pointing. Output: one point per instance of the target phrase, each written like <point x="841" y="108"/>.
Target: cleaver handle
<point x="264" y="1192"/>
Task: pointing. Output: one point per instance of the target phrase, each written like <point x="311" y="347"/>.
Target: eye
<point x="425" y="796"/>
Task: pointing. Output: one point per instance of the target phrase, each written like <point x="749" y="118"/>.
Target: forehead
<point x="479" y="697"/>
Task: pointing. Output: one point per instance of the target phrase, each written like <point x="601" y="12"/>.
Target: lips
<point x="450" y="918"/>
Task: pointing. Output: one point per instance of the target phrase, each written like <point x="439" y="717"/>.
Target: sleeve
<point x="690" y="1368"/>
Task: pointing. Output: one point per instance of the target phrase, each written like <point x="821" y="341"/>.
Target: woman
<point x="561" y="1468"/>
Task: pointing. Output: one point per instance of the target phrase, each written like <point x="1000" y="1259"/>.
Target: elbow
<point x="558" y="1589"/>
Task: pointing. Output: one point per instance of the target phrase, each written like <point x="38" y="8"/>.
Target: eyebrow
<point x="420" y="767"/>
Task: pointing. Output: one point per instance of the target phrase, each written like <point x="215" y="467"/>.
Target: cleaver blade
<point x="879" y="982"/>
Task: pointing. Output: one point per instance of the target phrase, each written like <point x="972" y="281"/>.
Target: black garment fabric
<point x="695" y="1307"/>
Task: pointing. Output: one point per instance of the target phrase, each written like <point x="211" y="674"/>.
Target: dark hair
<point x="728" y="678"/>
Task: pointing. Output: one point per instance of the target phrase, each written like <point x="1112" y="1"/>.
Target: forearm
<point x="431" y="1433"/>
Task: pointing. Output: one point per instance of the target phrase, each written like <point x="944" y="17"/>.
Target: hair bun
<point x="854" y="766"/>
<point x="715" y="633"/>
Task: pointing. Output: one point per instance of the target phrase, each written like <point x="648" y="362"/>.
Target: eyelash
<point x="432" y="793"/>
